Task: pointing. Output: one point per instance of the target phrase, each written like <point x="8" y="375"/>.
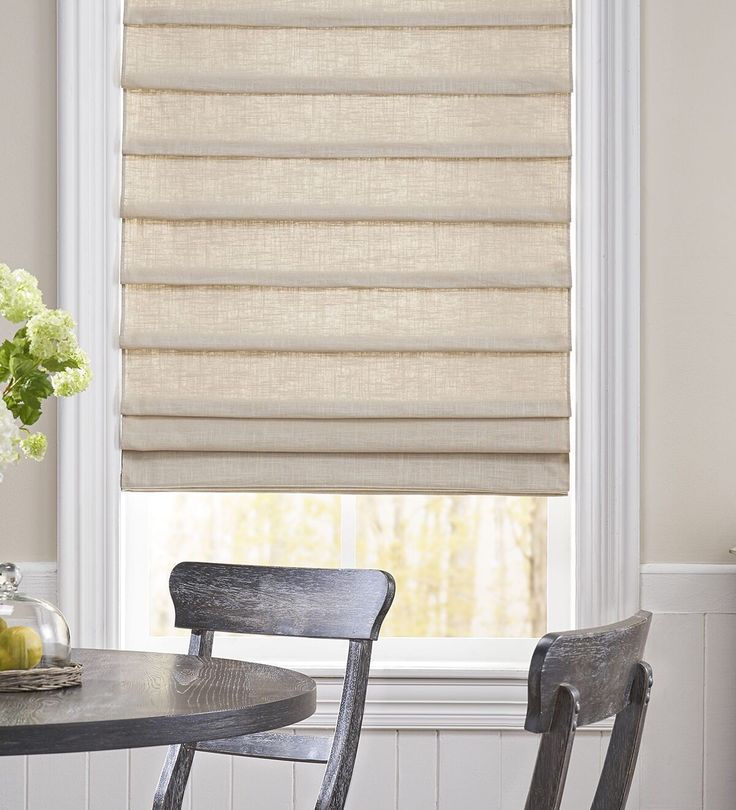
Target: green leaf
<point x="27" y="414"/>
<point x="39" y="384"/>
<point x="30" y="401"/>
<point x="24" y="407"/>
<point x="20" y="365"/>
<point x="5" y="349"/>
<point x="59" y="365"/>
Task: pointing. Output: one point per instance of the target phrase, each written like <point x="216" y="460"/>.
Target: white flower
<point x="51" y="335"/>
<point x="34" y="446"/>
<point x="73" y="381"/>
<point x="20" y="297"/>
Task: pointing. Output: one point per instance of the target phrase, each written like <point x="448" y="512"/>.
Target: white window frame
<point x="606" y="466"/>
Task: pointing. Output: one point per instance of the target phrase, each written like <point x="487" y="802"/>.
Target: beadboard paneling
<point x="417" y="771"/>
<point x="374" y="778"/>
<point x="13" y="782"/>
<point x="470" y="770"/>
<point x="211" y="782"/>
<point x="307" y="780"/>
<point x="260" y="784"/>
<point x="585" y="766"/>
<point x="58" y="781"/>
<point x="108" y="780"/>
<point x="672" y="750"/>
<point x="720" y="709"/>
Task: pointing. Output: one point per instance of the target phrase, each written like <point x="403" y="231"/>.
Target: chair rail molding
<point x="606" y="369"/>
<point x="688" y="588"/>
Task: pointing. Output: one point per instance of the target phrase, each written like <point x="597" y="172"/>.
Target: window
<point x="472" y="569"/>
<point x="95" y="573"/>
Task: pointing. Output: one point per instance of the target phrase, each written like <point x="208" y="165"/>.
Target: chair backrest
<point x="265" y="600"/>
<point x="580" y="677"/>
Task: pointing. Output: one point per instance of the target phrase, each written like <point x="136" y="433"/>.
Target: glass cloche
<point x="33" y="633"/>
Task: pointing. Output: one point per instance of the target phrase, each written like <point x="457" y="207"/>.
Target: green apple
<point x="6" y="662"/>
<point x="20" y="648"/>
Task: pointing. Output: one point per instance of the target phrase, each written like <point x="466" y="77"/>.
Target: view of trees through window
<point x="468" y="566"/>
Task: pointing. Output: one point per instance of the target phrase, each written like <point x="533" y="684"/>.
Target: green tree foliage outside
<point x="468" y="566"/>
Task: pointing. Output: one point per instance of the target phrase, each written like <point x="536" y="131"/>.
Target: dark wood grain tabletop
<point x="136" y="699"/>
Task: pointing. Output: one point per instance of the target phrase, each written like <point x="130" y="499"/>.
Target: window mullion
<point x="348" y="531"/>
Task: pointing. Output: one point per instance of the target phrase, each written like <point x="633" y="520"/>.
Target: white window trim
<point x="606" y="470"/>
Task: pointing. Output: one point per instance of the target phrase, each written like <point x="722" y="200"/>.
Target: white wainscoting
<point x="687" y="760"/>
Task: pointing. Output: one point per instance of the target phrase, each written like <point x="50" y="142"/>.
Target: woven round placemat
<point x="41" y="679"/>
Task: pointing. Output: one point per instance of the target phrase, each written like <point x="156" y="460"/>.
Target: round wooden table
<point x="135" y="699"/>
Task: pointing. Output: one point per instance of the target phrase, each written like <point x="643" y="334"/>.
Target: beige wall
<point x="688" y="281"/>
<point x="28" y="239"/>
<point x="688" y="268"/>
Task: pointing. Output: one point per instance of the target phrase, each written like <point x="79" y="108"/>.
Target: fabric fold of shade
<point x="348" y="12"/>
<point x="524" y="474"/>
<point x="346" y="261"/>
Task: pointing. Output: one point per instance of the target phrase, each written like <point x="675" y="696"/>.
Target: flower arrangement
<point x="42" y="359"/>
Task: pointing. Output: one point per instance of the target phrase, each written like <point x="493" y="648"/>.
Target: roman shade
<point x="346" y="260"/>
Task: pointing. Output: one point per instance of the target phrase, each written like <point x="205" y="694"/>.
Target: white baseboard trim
<point x="687" y="568"/>
<point x="688" y="588"/>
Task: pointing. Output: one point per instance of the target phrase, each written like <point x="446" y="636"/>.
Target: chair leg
<point x="339" y="772"/>
<point x="553" y="758"/>
<point x="179" y="758"/>
<point x="174" y="778"/>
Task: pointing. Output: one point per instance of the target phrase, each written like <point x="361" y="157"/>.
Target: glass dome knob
<point x="10" y="579"/>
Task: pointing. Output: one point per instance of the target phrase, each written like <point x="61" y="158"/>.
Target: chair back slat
<point x="553" y="757"/>
<point x="599" y="662"/>
<point x="623" y="748"/>
<point x="263" y="600"/>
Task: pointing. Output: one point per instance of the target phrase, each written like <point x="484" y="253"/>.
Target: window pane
<point x="246" y="528"/>
<point x="466" y="566"/>
<point x="469" y="566"/>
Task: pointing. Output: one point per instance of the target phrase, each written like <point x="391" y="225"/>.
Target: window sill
<point x="416" y="699"/>
<point x="419" y="698"/>
<point x="424" y="670"/>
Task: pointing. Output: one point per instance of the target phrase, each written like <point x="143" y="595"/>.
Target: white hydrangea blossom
<point x="34" y="446"/>
<point x="51" y="334"/>
<point x="20" y="297"/>
<point x="73" y="381"/>
<point x="10" y="438"/>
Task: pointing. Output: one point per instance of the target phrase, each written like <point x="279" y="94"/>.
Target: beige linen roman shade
<point x="346" y="259"/>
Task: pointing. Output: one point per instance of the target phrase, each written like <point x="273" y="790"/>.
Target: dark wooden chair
<point x="301" y="602"/>
<point x="580" y="677"/>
